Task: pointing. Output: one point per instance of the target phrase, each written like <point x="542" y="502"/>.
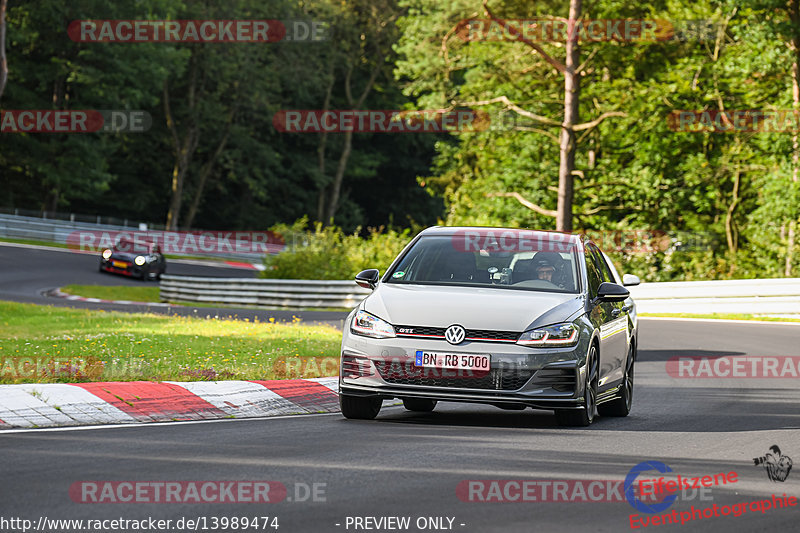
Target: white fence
<point x="748" y="296"/>
<point x="771" y="296"/>
<point x="292" y="294"/>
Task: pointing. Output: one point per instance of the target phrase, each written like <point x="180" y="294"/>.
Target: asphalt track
<point x="27" y="273"/>
<point x="410" y="465"/>
<point x="404" y="464"/>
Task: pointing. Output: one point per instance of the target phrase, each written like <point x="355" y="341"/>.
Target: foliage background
<point x="634" y="172"/>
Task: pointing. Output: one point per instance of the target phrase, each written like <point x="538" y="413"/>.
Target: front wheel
<point x="358" y="408"/>
<point x="621" y="405"/>
<point x="585" y="415"/>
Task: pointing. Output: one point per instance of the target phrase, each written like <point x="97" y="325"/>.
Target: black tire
<point x="358" y="408"/>
<point x="621" y="405"/>
<point x="585" y="415"/>
<point x="419" y="405"/>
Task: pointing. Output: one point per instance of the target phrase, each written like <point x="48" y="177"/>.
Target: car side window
<point x="593" y="275"/>
<point x="602" y="266"/>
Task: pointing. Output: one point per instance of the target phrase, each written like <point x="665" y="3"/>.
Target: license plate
<point x="452" y="361"/>
<point x="119" y="264"/>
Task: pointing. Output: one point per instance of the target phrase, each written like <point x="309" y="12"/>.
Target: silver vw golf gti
<point x="508" y="317"/>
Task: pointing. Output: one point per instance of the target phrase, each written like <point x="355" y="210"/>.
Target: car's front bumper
<point x="131" y="269"/>
<point x="544" y="378"/>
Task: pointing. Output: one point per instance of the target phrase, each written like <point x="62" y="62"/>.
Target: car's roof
<point x="483" y="230"/>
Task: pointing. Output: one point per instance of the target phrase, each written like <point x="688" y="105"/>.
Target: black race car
<point x="137" y="259"/>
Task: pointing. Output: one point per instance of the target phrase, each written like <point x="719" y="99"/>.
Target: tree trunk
<point x="204" y="174"/>
<point x="323" y="142"/>
<point x="3" y="63"/>
<point x="336" y="186"/>
<point x="794" y="15"/>
<point x="730" y="231"/>
<point x="183" y="148"/>
<point x="572" y="85"/>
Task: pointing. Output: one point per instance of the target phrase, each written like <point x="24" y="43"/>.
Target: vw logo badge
<point x="455" y="334"/>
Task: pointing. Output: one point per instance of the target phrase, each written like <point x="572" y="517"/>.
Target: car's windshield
<point x="125" y="245"/>
<point x="510" y="262"/>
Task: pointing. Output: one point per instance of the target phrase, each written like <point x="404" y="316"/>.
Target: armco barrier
<point x="765" y="296"/>
<point x="57" y="231"/>
<point x="746" y="296"/>
<point x="289" y="293"/>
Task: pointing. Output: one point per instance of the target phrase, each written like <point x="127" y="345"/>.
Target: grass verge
<point x="722" y="316"/>
<point x="114" y="292"/>
<point x="43" y="344"/>
<point x="34" y="242"/>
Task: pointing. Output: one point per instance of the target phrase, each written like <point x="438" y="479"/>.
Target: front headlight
<point x="557" y="335"/>
<point x="106" y="254"/>
<point x="371" y="326"/>
<point x="140" y="260"/>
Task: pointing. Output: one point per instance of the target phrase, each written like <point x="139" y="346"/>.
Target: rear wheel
<point x="419" y="405"/>
<point x="359" y="408"/>
<point x="585" y="415"/>
<point x="621" y="405"/>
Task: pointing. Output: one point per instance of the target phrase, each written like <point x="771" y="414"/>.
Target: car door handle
<point x="617" y="312"/>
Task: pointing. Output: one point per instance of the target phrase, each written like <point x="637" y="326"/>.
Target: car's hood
<point x="473" y="308"/>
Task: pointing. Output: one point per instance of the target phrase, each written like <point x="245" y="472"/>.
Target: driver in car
<point x="545" y="266"/>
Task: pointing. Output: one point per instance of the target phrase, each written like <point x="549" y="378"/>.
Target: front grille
<point x="560" y="379"/>
<point x="485" y="334"/>
<point x="419" y="331"/>
<point x="477" y="335"/>
<point x="506" y="379"/>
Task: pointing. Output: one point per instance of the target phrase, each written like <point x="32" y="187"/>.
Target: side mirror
<point x="629" y="280"/>
<point x="611" y="292"/>
<point x="368" y="278"/>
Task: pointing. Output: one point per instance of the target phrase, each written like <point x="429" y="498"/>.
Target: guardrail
<point x="58" y="231"/>
<point x="770" y="296"/>
<point x="288" y="293"/>
<point x="745" y="296"/>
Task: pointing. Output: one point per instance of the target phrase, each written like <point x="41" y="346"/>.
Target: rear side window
<point x="605" y="272"/>
<point x="593" y="274"/>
